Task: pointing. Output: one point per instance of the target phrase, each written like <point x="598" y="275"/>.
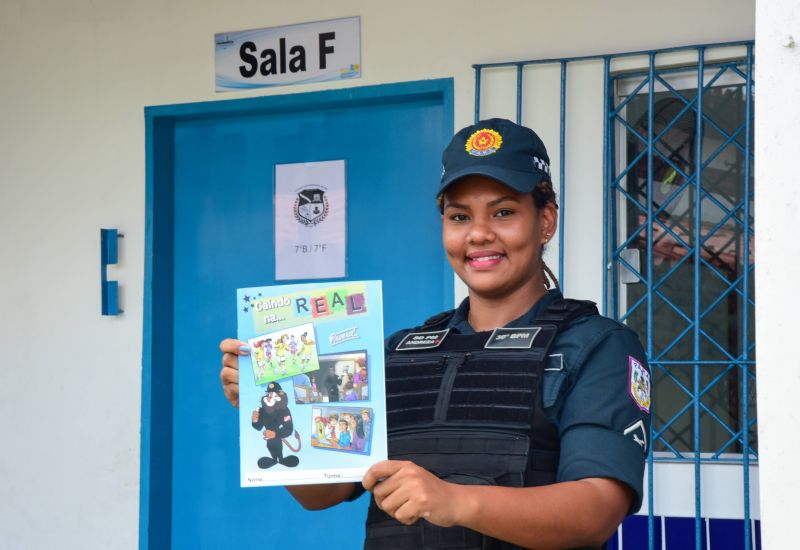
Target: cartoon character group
<point x="283" y="346"/>
<point x="347" y="430"/>
<point x="341" y="377"/>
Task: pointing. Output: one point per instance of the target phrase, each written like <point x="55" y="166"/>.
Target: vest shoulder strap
<point x="564" y="311"/>
<point x="440" y="320"/>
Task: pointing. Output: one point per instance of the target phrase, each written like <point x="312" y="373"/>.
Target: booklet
<point x="311" y="394"/>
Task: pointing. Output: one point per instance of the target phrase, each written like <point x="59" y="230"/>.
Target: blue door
<point x="211" y="230"/>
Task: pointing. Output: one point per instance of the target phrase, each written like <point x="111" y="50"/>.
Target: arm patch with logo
<point x="639" y="383"/>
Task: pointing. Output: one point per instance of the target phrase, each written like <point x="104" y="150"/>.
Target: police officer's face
<point x="493" y="236"/>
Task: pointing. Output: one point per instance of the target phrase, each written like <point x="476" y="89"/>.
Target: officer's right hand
<point x="229" y="375"/>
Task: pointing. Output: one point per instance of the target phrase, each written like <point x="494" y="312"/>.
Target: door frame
<point x="155" y="475"/>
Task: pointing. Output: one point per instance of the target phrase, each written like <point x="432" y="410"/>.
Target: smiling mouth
<point x="484" y="260"/>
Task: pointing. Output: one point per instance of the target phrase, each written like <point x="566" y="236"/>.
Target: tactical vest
<point x="468" y="408"/>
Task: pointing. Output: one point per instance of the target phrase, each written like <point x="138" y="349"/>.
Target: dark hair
<point x="543" y="194"/>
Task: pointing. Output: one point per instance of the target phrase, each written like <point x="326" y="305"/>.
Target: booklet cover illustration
<point x="311" y="393"/>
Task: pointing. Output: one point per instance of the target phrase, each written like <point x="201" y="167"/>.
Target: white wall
<point x="777" y="138"/>
<point x="76" y="75"/>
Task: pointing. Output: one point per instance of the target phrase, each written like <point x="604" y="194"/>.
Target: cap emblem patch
<point x="483" y="142"/>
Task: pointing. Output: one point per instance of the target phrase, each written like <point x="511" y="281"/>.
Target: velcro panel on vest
<point x="495" y="386"/>
<point x="435" y="537"/>
<point x="494" y="392"/>
<point x="466" y="456"/>
<point x="423" y="535"/>
<point x="412" y="387"/>
<point x="500" y="385"/>
<point x="392" y="535"/>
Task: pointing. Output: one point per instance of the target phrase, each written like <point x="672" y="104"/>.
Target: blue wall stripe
<point x="727" y="534"/>
<point x="637" y="533"/>
<point x="723" y="534"/>
<point x="681" y="533"/>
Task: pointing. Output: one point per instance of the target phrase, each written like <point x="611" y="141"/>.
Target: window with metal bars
<point x="696" y="238"/>
<point x="678" y="259"/>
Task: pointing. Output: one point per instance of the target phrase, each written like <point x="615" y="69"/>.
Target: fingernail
<point x="244" y="349"/>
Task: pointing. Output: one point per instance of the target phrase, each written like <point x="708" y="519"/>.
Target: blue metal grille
<point x="678" y="196"/>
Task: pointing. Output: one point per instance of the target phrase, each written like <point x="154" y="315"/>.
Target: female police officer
<point x="530" y="435"/>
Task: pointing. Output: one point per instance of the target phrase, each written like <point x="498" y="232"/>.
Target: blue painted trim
<point x="147" y="343"/>
<point x="651" y="81"/>
<point x="109" y="290"/>
<point x="448" y="106"/>
<point x="562" y="182"/>
<point x="608" y="127"/>
<point x="325" y="99"/>
<point x="746" y="302"/>
<point x="613" y="202"/>
<point x="698" y="182"/>
<point x="615" y="55"/>
<point x="519" y="94"/>
<point x="477" y="115"/>
<point x="676" y="70"/>
<point x="155" y="505"/>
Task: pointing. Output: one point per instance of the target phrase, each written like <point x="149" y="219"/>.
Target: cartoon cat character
<point x="275" y="419"/>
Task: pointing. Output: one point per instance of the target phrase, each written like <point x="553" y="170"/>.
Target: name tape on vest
<point x="422" y="340"/>
<point x="512" y="338"/>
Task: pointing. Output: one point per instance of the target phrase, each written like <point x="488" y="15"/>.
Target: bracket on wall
<point x="109" y="254"/>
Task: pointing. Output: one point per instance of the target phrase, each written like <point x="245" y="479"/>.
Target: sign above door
<point x="294" y="54"/>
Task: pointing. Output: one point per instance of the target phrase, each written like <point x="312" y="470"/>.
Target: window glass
<point x="725" y="350"/>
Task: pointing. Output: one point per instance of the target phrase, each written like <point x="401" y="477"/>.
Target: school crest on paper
<point x="639" y="383"/>
<point x="311" y="206"/>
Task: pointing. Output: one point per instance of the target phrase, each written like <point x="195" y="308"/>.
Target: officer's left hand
<point x="269" y="434"/>
<point x="407" y="493"/>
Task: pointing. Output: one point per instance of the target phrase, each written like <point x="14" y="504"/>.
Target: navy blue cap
<point x="499" y="149"/>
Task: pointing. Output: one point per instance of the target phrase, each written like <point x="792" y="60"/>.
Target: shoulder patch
<point x="287" y="418"/>
<point x="639" y="384"/>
